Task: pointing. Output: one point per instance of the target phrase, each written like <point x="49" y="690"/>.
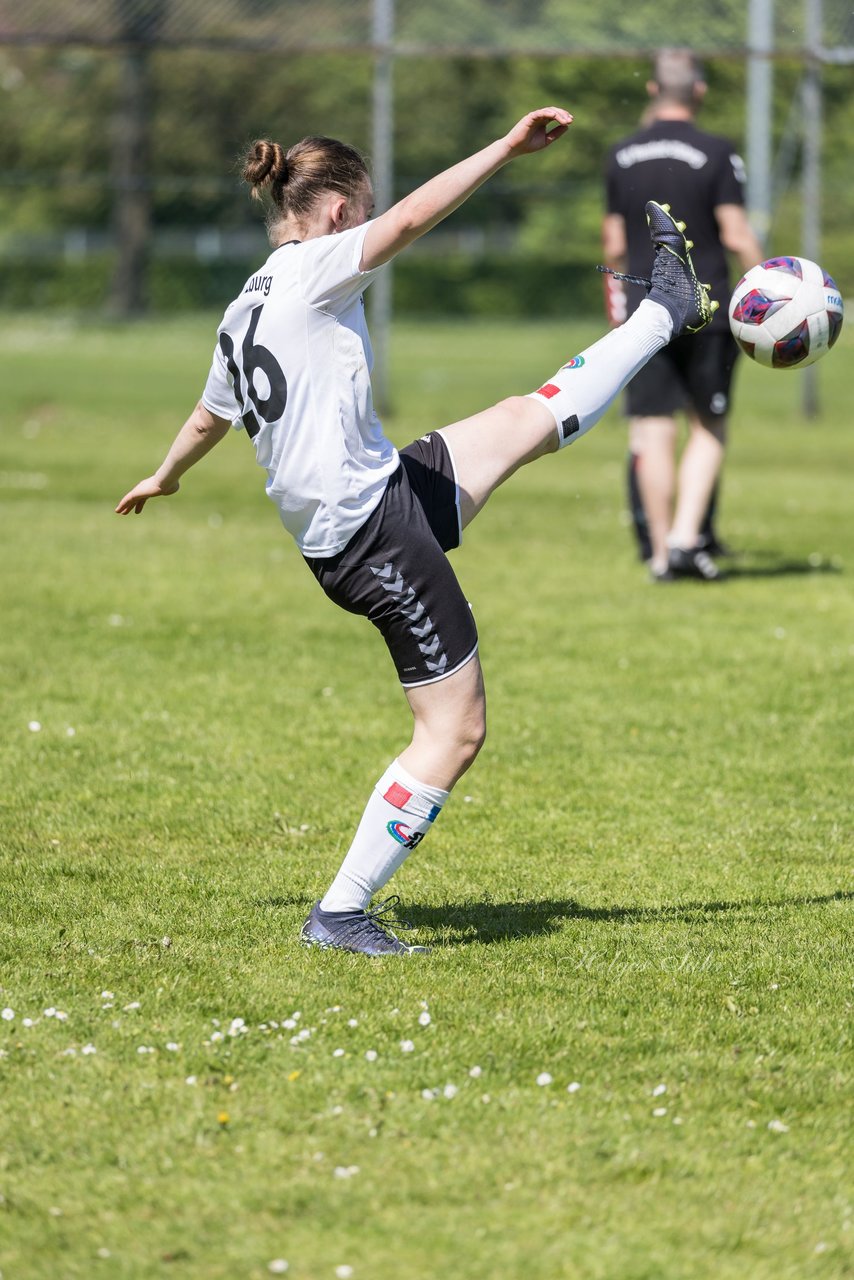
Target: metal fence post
<point x="383" y="169"/>
<point x="760" y="43"/>
<point x="811" y="174"/>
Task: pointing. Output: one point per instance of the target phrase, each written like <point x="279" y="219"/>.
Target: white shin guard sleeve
<point x="582" y="389"/>
<point x="399" y="813"/>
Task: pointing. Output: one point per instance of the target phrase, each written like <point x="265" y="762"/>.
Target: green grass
<point x="644" y="881"/>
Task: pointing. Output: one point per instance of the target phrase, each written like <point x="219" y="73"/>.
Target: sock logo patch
<point x="548" y="391"/>
<point x="575" y="363"/>
<point x="400" y="832"/>
<point x="397" y="795"/>
<point x="569" y="426"/>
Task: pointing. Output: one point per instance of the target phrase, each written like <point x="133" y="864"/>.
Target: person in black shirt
<point x="701" y="175"/>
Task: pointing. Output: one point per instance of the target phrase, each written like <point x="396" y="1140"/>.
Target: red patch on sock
<point x="549" y="390"/>
<point x="397" y="795"/>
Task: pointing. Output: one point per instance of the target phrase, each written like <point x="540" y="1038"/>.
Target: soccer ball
<point x="785" y="313"/>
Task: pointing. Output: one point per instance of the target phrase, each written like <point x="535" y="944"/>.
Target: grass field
<point x="642" y="891"/>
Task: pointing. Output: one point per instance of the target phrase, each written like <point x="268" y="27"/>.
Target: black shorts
<point x="394" y="571"/>
<point x="693" y="372"/>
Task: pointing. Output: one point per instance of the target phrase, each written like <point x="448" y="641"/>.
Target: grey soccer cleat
<point x="674" y="284"/>
<point x="365" y="932"/>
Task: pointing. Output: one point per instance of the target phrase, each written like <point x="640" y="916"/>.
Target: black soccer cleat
<point x="693" y="563"/>
<point x="715" y="546"/>
<point x="674" y="284"/>
<point x="365" y="932"/>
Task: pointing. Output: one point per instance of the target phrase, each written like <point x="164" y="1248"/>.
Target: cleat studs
<point x="715" y="306"/>
<point x="680" y="226"/>
<point x="665" y="207"/>
<point x="689" y="244"/>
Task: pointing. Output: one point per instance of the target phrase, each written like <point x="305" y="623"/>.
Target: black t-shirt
<point x="675" y="163"/>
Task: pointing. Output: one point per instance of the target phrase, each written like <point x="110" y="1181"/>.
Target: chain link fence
<point x="123" y="119"/>
<point x="485" y="28"/>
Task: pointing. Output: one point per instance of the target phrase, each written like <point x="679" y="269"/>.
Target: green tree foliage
<point x="57" y="107"/>
<point x="54" y="145"/>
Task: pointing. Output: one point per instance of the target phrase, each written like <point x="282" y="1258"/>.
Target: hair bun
<point x="265" y="164"/>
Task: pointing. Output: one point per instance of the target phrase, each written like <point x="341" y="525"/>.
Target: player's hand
<point x="533" y="132"/>
<point x="139" y="495"/>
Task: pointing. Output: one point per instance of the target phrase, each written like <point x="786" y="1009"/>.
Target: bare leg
<point x="450" y="726"/>
<point x="699" y="469"/>
<point x="653" y="440"/>
<point x="449" y="729"/>
<point x="450" y="714"/>
<point x="488" y="447"/>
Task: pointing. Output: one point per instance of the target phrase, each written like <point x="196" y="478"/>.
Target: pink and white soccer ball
<point x="786" y="313"/>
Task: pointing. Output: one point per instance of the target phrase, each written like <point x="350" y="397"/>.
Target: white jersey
<point x="292" y="366"/>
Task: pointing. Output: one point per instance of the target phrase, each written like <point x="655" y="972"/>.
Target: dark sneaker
<point x="714" y="546"/>
<point x="695" y="563"/>
<point x="366" y="932"/>
<point x="661" y="575"/>
<point x="674" y="282"/>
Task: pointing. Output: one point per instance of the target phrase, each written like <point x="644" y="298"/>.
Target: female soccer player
<point x="292" y="368"/>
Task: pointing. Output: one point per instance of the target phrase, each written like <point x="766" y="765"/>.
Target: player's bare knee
<point x="467" y="747"/>
<point x="476" y="736"/>
<point x="529" y="422"/>
<point x="469" y="735"/>
<point x="521" y="410"/>
<point x="514" y="405"/>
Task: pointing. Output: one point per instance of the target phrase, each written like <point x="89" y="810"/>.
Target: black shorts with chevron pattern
<point x="394" y="571"/>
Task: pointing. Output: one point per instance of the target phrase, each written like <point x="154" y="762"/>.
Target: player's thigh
<point x="395" y="573"/>
<point x="488" y="447"/>
<point x="653" y="435"/>
<point x="708" y="426"/>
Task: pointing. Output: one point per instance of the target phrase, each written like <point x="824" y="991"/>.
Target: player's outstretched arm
<point x="429" y="204"/>
<point x="199" y="434"/>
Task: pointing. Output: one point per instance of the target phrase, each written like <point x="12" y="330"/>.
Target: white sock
<point x="581" y="391"/>
<point x="397" y="817"/>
